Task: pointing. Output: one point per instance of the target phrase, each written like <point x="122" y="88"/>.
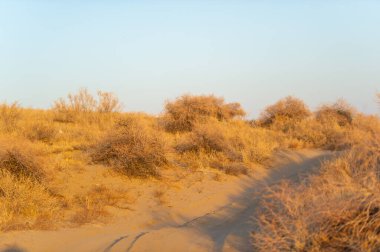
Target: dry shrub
<point x="9" y="116"/>
<point x="108" y="103"/>
<point x="292" y="117"/>
<point x="288" y="109"/>
<point x="334" y="127"/>
<point x="43" y="131"/>
<point x="230" y="168"/>
<point x="310" y="133"/>
<point x="74" y="107"/>
<point x="362" y="128"/>
<point x="84" y="106"/>
<point x="367" y="123"/>
<point x="305" y="133"/>
<point x="340" y="112"/>
<point x="25" y="204"/>
<point x="134" y="147"/>
<point x="21" y="159"/>
<point x="338" y="210"/>
<point x="187" y="110"/>
<point x="232" y="144"/>
<point x="92" y="206"/>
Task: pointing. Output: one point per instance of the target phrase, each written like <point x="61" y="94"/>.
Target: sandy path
<point x="225" y="228"/>
<point x="228" y="229"/>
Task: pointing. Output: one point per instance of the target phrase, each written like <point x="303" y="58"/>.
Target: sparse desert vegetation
<point x="337" y="209"/>
<point x="195" y="126"/>
<point x="72" y="164"/>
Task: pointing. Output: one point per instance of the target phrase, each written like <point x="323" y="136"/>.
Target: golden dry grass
<point x="232" y="146"/>
<point x="92" y="206"/>
<point x="25" y="204"/>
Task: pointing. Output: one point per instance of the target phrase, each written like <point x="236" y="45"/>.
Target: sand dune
<point x="221" y="221"/>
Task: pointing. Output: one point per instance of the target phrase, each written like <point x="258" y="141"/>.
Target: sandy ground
<point x="198" y="213"/>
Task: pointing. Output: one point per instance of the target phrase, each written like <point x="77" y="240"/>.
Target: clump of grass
<point x="135" y="148"/>
<point x="338" y="210"/>
<point x="25" y="203"/>
<point x="92" y="206"/>
<point x="187" y="110"/>
<point x="21" y="159"/>
<point x="231" y="168"/>
<point x="10" y="115"/>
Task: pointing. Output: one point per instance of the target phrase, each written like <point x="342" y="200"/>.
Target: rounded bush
<point x="134" y="148"/>
<point x="183" y="113"/>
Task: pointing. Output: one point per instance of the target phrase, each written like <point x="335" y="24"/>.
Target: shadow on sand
<point x="229" y="227"/>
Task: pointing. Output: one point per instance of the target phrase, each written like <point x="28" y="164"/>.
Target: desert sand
<point x="198" y="214"/>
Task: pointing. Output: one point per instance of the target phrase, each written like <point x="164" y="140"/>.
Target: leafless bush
<point x="108" y="103"/>
<point x="84" y="105"/>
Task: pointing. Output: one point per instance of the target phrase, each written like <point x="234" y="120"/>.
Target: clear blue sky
<point x="253" y="52"/>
